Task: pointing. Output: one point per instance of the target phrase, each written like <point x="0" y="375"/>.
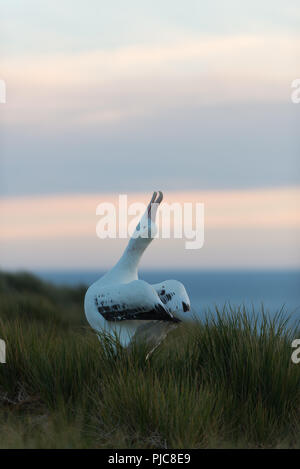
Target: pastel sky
<point x="118" y="97"/>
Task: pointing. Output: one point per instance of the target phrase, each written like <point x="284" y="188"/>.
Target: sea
<point x="268" y="290"/>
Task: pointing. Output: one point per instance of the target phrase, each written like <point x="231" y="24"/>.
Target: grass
<point x="227" y="381"/>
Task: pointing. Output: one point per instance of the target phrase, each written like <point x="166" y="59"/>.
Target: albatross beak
<point x="153" y="205"/>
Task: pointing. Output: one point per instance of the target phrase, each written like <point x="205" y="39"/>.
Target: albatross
<point x="121" y="304"/>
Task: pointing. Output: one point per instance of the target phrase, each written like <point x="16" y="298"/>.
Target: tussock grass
<point x="226" y="381"/>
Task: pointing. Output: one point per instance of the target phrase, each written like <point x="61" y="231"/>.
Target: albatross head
<point x="146" y="229"/>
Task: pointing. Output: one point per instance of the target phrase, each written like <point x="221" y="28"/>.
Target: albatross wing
<point x="174" y="296"/>
<point x="135" y="300"/>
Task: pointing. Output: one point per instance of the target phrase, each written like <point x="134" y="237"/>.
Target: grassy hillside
<point x="225" y="382"/>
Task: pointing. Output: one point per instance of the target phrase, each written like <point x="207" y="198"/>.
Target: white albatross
<point x="124" y="306"/>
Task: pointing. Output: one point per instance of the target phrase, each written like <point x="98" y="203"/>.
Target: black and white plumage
<point x="121" y="304"/>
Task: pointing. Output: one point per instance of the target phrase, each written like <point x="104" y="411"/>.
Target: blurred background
<point x="109" y="98"/>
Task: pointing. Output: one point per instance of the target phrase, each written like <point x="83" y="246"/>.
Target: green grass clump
<point x="226" y="381"/>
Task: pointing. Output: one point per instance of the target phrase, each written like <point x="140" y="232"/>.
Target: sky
<point x="242" y="230"/>
<point x="106" y="98"/>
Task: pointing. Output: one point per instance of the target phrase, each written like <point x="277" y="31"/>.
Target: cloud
<point x="198" y="111"/>
<point x="250" y="55"/>
<point x="114" y="85"/>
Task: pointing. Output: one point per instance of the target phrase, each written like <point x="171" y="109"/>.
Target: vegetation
<point x="227" y="381"/>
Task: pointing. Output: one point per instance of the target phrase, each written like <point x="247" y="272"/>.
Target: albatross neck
<point x="131" y="257"/>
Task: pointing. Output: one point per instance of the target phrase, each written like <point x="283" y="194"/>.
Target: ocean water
<point x="207" y="289"/>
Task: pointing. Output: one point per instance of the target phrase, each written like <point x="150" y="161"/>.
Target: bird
<point x="124" y="306"/>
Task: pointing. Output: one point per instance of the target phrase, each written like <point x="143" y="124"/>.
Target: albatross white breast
<point x="121" y="304"/>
